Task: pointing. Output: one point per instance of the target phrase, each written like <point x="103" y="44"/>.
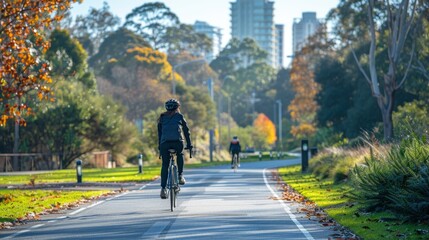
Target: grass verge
<point x="19" y="205"/>
<point x="88" y="175"/>
<point x="332" y="198"/>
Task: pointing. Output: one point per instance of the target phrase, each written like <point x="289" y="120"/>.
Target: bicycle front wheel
<point x="172" y="199"/>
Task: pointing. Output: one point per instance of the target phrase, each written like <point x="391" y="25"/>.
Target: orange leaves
<point x="22" y="25"/>
<point x="303" y="107"/>
<point x="265" y="126"/>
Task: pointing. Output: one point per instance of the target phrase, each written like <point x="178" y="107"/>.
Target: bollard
<point x="260" y="156"/>
<point x="304" y="155"/>
<point x="79" y="171"/>
<point x="140" y="163"/>
<point x="278" y="155"/>
<point x="271" y="155"/>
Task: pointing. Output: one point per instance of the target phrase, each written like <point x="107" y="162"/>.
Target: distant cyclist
<point x="235" y="149"/>
<point x="171" y="125"/>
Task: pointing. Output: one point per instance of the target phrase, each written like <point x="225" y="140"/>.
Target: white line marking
<point x="155" y="230"/>
<point x="287" y="209"/>
<point x="62" y="217"/>
<point x="95" y="204"/>
<point x="37" y="226"/>
<point x="77" y="211"/>
<point x="144" y="186"/>
<point x="16" y="234"/>
<point x="52" y="221"/>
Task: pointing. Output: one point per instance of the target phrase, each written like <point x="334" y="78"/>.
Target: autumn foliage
<point x="264" y="126"/>
<point x="304" y="106"/>
<point x="22" y="44"/>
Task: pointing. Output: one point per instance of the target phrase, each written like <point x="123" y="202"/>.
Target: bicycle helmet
<point x="172" y="104"/>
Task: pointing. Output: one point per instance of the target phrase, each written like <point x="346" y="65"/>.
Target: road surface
<point x="215" y="203"/>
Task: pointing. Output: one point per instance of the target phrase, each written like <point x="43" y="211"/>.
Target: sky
<point x="217" y="13"/>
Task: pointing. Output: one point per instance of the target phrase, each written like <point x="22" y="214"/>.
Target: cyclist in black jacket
<point x="235" y="149"/>
<point x="171" y="125"/>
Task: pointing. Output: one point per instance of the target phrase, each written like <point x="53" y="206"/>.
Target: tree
<point x="138" y="80"/>
<point x="303" y="107"/>
<point x="183" y="38"/>
<point x="79" y="122"/>
<point x="114" y="47"/>
<point x="22" y="42"/>
<point x="151" y="21"/>
<point x="68" y="59"/>
<point x="398" y="19"/>
<point x="96" y="26"/>
<point x="22" y="68"/>
<point x="244" y="65"/>
<point x="335" y="95"/>
<point x="264" y="126"/>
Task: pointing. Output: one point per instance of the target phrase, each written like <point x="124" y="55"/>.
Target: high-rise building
<point x="255" y="19"/>
<point x="214" y="33"/>
<point x="279" y="44"/>
<point x="303" y="28"/>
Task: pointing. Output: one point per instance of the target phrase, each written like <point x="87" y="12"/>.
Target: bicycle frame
<point x="173" y="180"/>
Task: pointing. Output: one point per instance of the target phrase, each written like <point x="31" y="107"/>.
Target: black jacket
<point x="235" y="147"/>
<point x="170" y="128"/>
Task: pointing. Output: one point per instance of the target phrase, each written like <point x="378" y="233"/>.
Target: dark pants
<point x="176" y="145"/>
<point x="238" y="157"/>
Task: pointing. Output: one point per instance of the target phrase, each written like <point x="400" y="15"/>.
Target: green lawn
<point x="88" y="175"/>
<point x="16" y="204"/>
<point x="333" y="200"/>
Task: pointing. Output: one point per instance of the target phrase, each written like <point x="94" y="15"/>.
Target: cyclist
<point x="171" y="124"/>
<point x="235" y="148"/>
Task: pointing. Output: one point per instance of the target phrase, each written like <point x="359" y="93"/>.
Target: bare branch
<point x="390" y="26"/>
<point x="404" y="27"/>
<point x="372" y="62"/>
<point x="360" y="67"/>
<point x="408" y="67"/>
<point x="421" y="68"/>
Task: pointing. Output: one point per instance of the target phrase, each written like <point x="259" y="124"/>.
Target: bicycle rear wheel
<point x="235" y="162"/>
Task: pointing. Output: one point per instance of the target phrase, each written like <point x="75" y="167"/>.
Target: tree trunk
<point x="16" y="164"/>
<point x="385" y="103"/>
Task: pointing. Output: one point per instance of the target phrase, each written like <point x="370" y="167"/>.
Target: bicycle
<point x="173" y="187"/>
<point x="235" y="161"/>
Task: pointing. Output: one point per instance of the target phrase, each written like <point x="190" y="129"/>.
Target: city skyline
<point x="217" y="13"/>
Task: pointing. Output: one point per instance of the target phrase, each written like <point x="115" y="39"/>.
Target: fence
<point x="11" y="162"/>
<point x="28" y="162"/>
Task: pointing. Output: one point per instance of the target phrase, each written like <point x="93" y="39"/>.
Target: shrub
<point x="397" y="181"/>
<point x="336" y="163"/>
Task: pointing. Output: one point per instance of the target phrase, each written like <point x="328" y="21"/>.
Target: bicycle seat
<point x="171" y="150"/>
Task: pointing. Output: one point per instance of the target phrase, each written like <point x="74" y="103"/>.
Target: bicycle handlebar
<point x="190" y="152"/>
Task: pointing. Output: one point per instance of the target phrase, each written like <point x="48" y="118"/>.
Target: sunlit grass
<point x="15" y="204"/>
<point x="332" y="198"/>
<point x="88" y="175"/>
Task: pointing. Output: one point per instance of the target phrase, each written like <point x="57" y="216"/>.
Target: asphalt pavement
<point x="215" y="203"/>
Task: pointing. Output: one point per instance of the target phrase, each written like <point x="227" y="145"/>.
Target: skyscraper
<point x="303" y="28"/>
<point x="214" y="33"/>
<point x="255" y="19"/>
<point x="279" y="44"/>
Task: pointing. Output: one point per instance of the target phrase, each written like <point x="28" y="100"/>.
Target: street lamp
<point x="279" y="102"/>
<point x="179" y="65"/>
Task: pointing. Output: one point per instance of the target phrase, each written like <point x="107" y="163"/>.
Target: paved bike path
<point x="216" y="203"/>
